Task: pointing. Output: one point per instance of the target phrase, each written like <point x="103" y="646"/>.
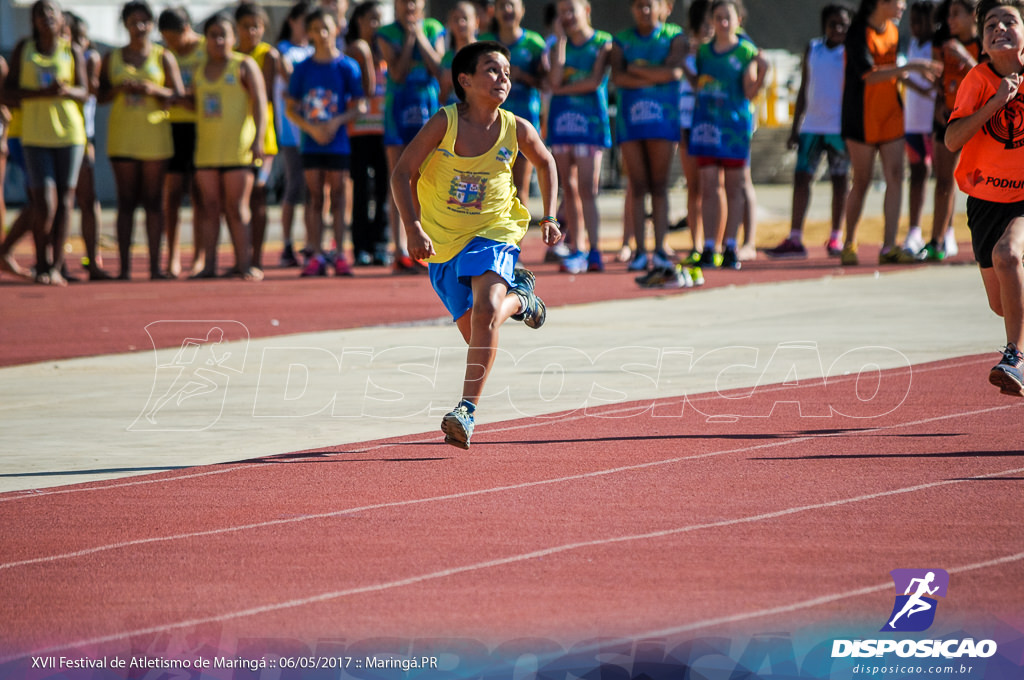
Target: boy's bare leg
<point x="748" y="251"/>
<point x="493" y="304"/>
<point x="694" y="217"/>
<point x="1004" y="283"/>
<point x="174" y="190"/>
<point x="840" y="190"/>
<point x="735" y="201"/>
<point x="711" y="201"/>
<point x="891" y="154"/>
<point x="208" y="221"/>
<point x="1009" y="272"/>
<point x="237" y="187"/>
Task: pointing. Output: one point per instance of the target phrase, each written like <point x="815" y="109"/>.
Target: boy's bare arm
<point x="537" y="153"/>
<point x="800" y="107"/>
<point x="670" y="71"/>
<point x="593" y="80"/>
<point x="961" y="130"/>
<point x="406" y="172"/>
<point x="252" y="81"/>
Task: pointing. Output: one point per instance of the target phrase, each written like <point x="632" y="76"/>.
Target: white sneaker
<point x="914" y="243"/>
<point x="949" y="243"/>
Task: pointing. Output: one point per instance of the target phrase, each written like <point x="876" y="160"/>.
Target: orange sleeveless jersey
<point x="872" y="114"/>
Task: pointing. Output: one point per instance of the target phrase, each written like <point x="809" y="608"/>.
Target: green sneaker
<point x="457" y="426"/>
<point x="933" y="252"/>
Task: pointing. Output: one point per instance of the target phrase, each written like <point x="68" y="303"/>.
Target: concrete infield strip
<point x="105" y="417"/>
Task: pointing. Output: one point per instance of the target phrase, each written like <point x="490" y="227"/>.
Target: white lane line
<point x="545" y="552"/>
<point x="479" y="492"/>
<point x="598" y="411"/>
<point x="804" y="604"/>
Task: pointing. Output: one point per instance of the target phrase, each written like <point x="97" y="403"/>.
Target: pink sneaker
<point x="315" y="266"/>
<point x="341" y="267"/>
<point x="834" y="247"/>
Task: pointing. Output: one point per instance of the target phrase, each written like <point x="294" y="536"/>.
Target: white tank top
<point x="825" y="68"/>
<point x="918" y="109"/>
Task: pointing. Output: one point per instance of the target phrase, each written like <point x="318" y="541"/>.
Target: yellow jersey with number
<point x="225" y="129"/>
<point x="49" y="121"/>
<point x="138" y="127"/>
<point x="465" y="197"/>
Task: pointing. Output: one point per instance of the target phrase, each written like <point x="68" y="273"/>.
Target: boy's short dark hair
<point x="174" y="20"/>
<point x="828" y="10"/>
<point x="251" y="9"/>
<point x="986" y="6"/>
<point x="467" y="59"/>
<point x="136" y="6"/>
<point x="221" y="17"/>
<point x="320" y="14"/>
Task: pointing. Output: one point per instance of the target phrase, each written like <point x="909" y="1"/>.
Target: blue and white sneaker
<point x="523" y="279"/>
<point x="638" y="263"/>
<point x="576" y="263"/>
<point x="1007" y="374"/>
<point x="457" y="426"/>
<point x="533" y="311"/>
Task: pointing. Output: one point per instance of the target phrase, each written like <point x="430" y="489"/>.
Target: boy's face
<point x="836" y="27"/>
<point x="509" y="12"/>
<point x="409" y="12"/>
<point x="250" y="30"/>
<point x="491" y="79"/>
<point x="725" y="21"/>
<point x="220" y="39"/>
<point x="172" y="39"/>
<point x="893" y="9"/>
<point x="322" y="32"/>
<point x="571" y="13"/>
<point x="139" y="25"/>
<point x="960" y="20"/>
<point x="462" y="21"/>
<point x="1003" y="32"/>
<point x="647" y="13"/>
<point x="919" y="27"/>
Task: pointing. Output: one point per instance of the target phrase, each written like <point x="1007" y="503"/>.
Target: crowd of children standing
<point x="341" y="95"/>
<point x="205" y="113"/>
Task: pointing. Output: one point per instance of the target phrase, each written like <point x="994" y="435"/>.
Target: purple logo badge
<point x="916" y="589"/>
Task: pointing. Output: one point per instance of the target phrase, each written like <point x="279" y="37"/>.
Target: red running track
<point x="630" y="521"/>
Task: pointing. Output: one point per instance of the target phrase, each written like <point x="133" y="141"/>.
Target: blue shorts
<point x="453" y="280"/>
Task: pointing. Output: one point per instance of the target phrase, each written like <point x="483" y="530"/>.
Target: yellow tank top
<point x="225" y="128"/>
<point x="14" y="127"/>
<point x="187" y="64"/>
<point x="138" y="127"/>
<point x="259" y="55"/>
<point x="462" y="198"/>
<point x="49" y="121"/>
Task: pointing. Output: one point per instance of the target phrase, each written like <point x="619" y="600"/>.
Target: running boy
<point x="454" y="189"/>
<point x="988" y="103"/>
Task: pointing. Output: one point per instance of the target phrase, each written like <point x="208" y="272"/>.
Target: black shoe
<point x="730" y="260"/>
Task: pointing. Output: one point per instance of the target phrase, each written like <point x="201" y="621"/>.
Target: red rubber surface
<point x="629" y="521"/>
